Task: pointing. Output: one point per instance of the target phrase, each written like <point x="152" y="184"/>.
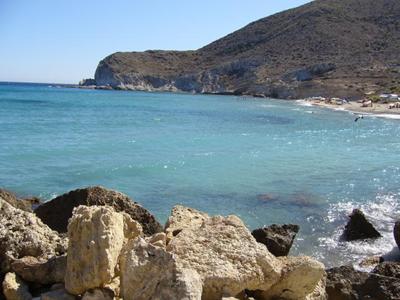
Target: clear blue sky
<point x="63" y="40"/>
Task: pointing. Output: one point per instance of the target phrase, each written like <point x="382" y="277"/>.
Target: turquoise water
<point x="268" y="161"/>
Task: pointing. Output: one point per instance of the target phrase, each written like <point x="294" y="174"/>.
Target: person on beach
<point x="358" y="118"/>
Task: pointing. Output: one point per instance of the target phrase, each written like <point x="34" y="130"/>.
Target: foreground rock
<point x="39" y="271"/>
<point x="23" y="234"/>
<point x="96" y="237"/>
<point x="98" y="294"/>
<point x="23" y="204"/>
<point x="58" y="211"/>
<point x="226" y="256"/>
<point x="347" y="283"/>
<point x="278" y="239"/>
<point x="14" y="288"/>
<point x="149" y="272"/>
<point x="389" y="268"/>
<point x="359" y="227"/>
<point x="300" y="278"/>
<point x="181" y="218"/>
<point x="396" y="233"/>
<point x="58" y="294"/>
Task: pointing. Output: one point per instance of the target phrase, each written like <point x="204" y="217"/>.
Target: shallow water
<point x="268" y="161"/>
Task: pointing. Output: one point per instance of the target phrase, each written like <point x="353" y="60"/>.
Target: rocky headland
<point x="113" y="248"/>
<point x="330" y="48"/>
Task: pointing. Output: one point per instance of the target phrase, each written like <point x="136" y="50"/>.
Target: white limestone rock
<point x="226" y="256"/>
<point x="149" y="272"/>
<point x="301" y="277"/>
<point x="23" y="234"/>
<point x="96" y="237"/>
<point x="181" y="218"/>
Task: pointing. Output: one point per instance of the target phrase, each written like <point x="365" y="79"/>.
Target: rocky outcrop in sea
<point x="106" y="253"/>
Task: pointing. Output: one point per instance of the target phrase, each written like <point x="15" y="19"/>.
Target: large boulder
<point x="346" y="283"/>
<point x="278" y="239"/>
<point x="24" y="234"/>
<point x="359" y="227"/>
<point x="149" y="272"/>
<point x="183" y="217"/>
<point x="14" y="288"/>
<point x="58" y="211"/>
<point x="396" y="233"/>
<point x="40" y="271"/>
<point x="300" y="278"/>
<point x="96" y="237"/>
<point x="226" y="256"/>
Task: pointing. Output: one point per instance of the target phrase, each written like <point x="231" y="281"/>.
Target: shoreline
<point x="377" y="110"/>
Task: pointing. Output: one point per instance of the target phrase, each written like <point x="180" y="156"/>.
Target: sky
<point x="62" y="41"/>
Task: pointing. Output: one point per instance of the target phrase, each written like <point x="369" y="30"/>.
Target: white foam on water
<point x="382" y="213"/>
<point x="304" y="103"/>
<point x="387" y="116"/>
<point x="267" y="105"/>
<point x="204" y="154"/>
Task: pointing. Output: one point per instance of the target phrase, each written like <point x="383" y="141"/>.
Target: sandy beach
<point x="378" y="109"/>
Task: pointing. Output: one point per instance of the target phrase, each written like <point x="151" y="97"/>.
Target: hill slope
<point x="326" y="47"/>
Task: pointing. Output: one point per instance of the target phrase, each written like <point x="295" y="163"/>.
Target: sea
<point x="264" y="160"/>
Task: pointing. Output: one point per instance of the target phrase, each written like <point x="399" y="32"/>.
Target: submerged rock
<point x="226" y="256"/>
<point x="24" y="234"/>
<point x="58" y="211"/>
<point x="396" y="233"/>
<point x="359" y="228"/>
<point x="96" y="237"/>
<point x="347" y="283"/>
<point x="278" y="239"/>
<point x="14" y="288"/>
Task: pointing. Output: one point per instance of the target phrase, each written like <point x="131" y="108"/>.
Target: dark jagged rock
<point x="345" y="283"/>
<point x="396" y="233"/>
<point x="334" y="48"/>
<point x="359" y="228"/>
<point x="278" y="239"/>
<point x="388" y="268"/>
<point x="58" y="211"/>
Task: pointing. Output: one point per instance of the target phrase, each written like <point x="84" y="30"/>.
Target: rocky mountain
<point x="341" y="48"/>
